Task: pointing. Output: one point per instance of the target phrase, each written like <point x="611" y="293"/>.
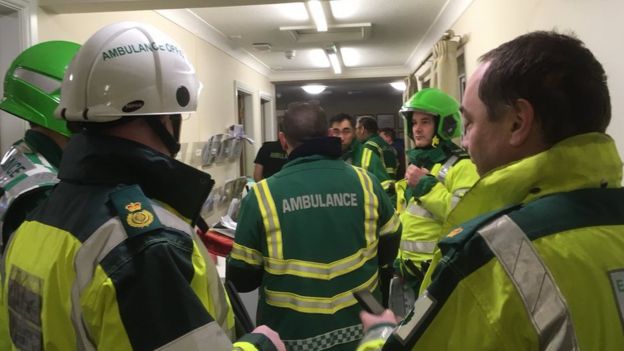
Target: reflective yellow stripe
<point x="269" y="217"/>
<point x="366" y="158"/>
<point x="391" y="226"/>
<point x="386" y="184"/>
<point x="313" y="304"/>
<point x="370" y="206"/>
<point x="323" y="271"/>
<point x="247" y="255"/>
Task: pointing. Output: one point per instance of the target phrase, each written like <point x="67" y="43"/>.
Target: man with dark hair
<point x="540" y="267"/>
<point x="342" y="126"/>
<point x="308" y="240"/>
<point x="389" y="135"/>
<point x="367" y="133"/>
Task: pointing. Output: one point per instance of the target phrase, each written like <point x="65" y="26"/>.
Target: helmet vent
<point x="44" y="83"/>
<point x="183" y="96"/>
<point x="133" y="106"/>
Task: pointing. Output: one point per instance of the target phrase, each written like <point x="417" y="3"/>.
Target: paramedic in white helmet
<point x="110" y="260"/>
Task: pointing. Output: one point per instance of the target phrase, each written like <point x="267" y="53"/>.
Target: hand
<point x="272" y="335"/>
<point x="369" y="320"/>
<point x="414" y="173"/>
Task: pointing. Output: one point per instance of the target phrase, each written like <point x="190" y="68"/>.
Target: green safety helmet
<point x="32" y="84"/>
<point x="439" y="104"/>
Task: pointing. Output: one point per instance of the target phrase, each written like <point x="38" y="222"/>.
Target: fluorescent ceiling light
<point x="334" y="60"/>
<point x="350" y="56"/>
<point x="318" y="15"/>
<point x="313" y="88"/>
<point x="335" y="63"/>
<point x="318" y="58"/>
<point x="399" y="85"/>
<point x="343" y="9"/>
<point x="295" y="11"/>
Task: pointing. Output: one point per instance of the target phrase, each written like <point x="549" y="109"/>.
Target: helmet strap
<point x="171" y="141"/>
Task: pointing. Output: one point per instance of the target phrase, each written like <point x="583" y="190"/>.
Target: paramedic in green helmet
<point x="31" y="92"/>
<point x="110" y="260"/>
<point x="438" y="175"/>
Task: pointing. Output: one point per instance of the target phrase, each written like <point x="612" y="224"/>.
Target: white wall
<point x="216" y="70"/>
<point x="598" y="23"/>
<point x="11" y="127"/>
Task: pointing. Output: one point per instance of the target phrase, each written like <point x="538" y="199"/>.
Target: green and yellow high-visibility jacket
<point x="110" y="261"/>
<point x="308" y="237"/>
<point x="365" y="158"/>
<point x="543" y="271"/>
<point x="385" y="151"/>
<point x="425" y="207"/>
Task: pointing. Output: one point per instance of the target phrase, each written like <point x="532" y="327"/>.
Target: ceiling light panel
<point x="318" y="15"/>
<point x="350" y="56"/>
<point x="343" y="9"/>
<point x="318" y="58"/>
<point x="295" y="11"/>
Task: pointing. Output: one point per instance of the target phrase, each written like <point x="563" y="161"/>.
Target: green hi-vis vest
<point x="22" y="172"/>
<point x="369" y="160"/>
<point x="386" y="153"/>
<point x="424" y="208"/>
<point x="547" y="276"/>
<point x="314" y="229"/>
<point x="109" y="269"/>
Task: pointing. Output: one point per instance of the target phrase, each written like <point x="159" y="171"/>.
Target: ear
<point x="523" y="122"/>
<point x="282" y="139"/>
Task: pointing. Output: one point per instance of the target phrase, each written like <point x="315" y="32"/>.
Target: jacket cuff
<point x="425" y="184"/>
<point x="254" y="342"/>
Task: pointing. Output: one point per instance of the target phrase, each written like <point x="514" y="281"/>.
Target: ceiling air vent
<point x="263" y="47"/>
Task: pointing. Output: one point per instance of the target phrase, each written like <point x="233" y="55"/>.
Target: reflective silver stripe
<point x="426" y="247"/>
<point x="316" y="304"/>
<point x="207" y="337"/>
<point x="322" y="270"/>
<point x="271" y="222"/>
<point x="19" y="175"/>
<point x="45" y="83"/>
<point x="446" y="167"/>
<point x="370" y="206"/>
<point x="216" y="291"/>
<point x="326" y="340"/>
<point x="89" y="255"/>
<point x="246" y="254"/>
<point x="545" y="305"/>
<point x="414" y="209"/>
<point x="391" y="226"/>
<point x="457" y="195"/>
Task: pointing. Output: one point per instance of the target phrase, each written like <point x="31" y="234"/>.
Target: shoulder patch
<point x="459" y="236"/>
<point x="135" y="210"/>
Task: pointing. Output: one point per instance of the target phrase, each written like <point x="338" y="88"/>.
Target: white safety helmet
<point x="127" y="69"/>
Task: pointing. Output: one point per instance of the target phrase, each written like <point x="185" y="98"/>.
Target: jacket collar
<point x="324" y="146"/>
<point x="92" y="159"/>
<point x="584" y="161"/>
<point x="44" y="145"/>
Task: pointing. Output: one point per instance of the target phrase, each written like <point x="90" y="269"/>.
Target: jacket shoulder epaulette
<point x="135" y="210"/>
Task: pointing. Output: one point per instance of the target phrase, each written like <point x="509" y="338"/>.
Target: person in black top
<point x="269" y="160"/>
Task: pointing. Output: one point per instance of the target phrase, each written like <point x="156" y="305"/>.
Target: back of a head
<point x="128" y="69"/>
<point x="303" y="121"/>
<point x="557" y="74"/>
<point x="389" y="132"/>
<point x="341" y="117"/>
<point x="32" y="84"/>
<point x="369" y="123"/>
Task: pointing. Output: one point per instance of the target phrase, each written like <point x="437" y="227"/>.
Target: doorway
<point x="244" y="108"/>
